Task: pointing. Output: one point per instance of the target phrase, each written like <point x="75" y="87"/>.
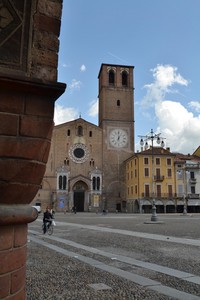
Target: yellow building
<point x="150" y="175"/>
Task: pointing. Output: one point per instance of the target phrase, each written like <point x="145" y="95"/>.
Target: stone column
<point x="29" y="32"/>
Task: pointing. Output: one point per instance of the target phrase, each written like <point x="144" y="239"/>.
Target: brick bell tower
<point x="116" y="118"/>
<point x="29" y="32"/>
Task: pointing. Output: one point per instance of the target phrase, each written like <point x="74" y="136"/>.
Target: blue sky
<point x="160" y="38"/>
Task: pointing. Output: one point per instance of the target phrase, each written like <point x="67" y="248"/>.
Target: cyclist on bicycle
<point x="47" y="219"/>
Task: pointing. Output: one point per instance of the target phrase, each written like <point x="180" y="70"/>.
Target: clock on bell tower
<point x="116" y="118"/>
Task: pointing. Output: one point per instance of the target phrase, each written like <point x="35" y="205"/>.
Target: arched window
<point x="124" y="78"/>
<point x="111" y="77"/>
<point x="62" y="182"/>
<point x="80" y="131"/>
<point x="98" y="183"/>
<point x="92" y="162"/>
<point x="118" y="102"/>
<point x="94" y="183"/>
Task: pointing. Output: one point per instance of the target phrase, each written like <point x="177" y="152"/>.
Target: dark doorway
<point x="170" y="209"/>
<point x="79" y="200"/>
<point x="118" y="207"/>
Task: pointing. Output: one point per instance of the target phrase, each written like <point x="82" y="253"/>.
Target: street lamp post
<point x="152" y="136"/>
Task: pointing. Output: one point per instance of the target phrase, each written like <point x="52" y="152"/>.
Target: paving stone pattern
<point x="53" y="275"/>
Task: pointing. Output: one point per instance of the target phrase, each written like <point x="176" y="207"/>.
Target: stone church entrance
<point x="79" y="196"/>
<point x="79" y="200"/>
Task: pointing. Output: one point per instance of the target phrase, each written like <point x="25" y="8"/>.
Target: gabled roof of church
<point x="79" y="120"/>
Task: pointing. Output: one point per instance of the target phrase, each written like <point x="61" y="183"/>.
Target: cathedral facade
<point x="86" y="168"/>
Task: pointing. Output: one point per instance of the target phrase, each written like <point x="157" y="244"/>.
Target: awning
<point x="158" y="202"/>
<point x="193" y="203"/>
<point x="170" y="202"/>
<point x="180" y="202"/>
<point x="146" y="202"/>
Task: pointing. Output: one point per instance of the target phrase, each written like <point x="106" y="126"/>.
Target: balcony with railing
<point x="192" y="180"/>
<point x="193" y="196"/>
<point x="158" y="177"/>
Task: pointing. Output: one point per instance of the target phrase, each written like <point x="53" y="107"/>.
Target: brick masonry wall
<point x="28" y="90"/>
<point x="13" y="261"/>
<point x="25" y="137"/>
<point x="45" y="43"/>
<point x="35" y="36"/>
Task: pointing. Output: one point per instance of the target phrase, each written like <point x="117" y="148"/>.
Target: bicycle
<point x="49" y="227"/>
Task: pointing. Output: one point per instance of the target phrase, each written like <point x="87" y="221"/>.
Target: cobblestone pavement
<point x="116" y="256"/>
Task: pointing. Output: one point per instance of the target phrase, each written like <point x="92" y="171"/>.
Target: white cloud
<point x="195" y="105"/>
<point x="83" y="68"/>
<point x="75" y="85"/>
<point x="93" y="110"/>
<point x="64" y="114"/>
<point x="165" y="76"/>
<point x="178" y="125"/>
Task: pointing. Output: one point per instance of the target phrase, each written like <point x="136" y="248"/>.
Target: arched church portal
<point x="80" y="188"/>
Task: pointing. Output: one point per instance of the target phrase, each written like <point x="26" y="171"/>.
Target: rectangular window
<point x="146" y="172"/>
<point x="170" y="190"/>
<point x="68" y="132"/>
<point x="180" y="190"/>
<point x="158" y="190"/>
<point x="135" y="189"/>
<point x="157" y="173"/>
<point x="192" y="175"/>
<point x="132" y="190"/>
<point x="169" y="173"/>
<point x="157" y="161"/>
<point x="146" y="187"/>
<point x="193" y="190"/>
<point x="169" y="161"/>
<point x="146" y="160"/>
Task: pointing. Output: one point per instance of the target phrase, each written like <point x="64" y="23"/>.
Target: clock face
<point x="118" y="138"/>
